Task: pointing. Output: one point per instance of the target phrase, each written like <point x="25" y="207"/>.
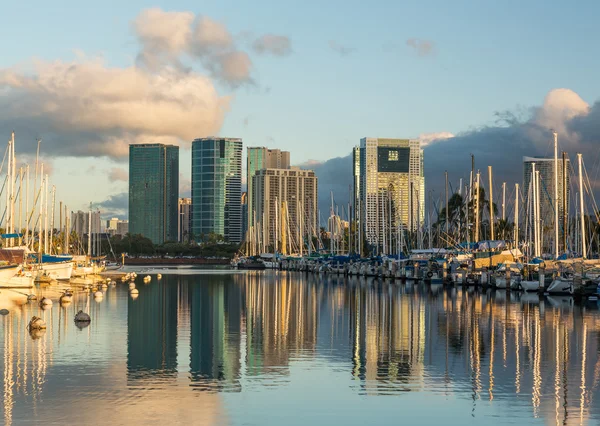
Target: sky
<point x="312" y="78"/>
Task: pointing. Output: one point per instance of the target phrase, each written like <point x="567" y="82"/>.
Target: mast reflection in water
<point x="273" y="347"/>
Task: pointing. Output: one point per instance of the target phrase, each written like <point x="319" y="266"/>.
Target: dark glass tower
<point x="217" y="188"/>
<point x="154" y="191"/>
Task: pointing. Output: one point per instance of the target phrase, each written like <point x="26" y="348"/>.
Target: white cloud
<point x="273" y="44"/>
<point x="427" y="138"/>
<point x="421" y="47"/>
<point x="118" y="174"/>
<point x="172" y="37"/>
<point x="87" y="108"/>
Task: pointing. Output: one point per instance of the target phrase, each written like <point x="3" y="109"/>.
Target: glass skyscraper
<point x="154" y="191"/>
<point x="217" y="188"/>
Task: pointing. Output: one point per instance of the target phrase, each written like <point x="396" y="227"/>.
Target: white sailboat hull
<point x="527" y="285"/>
<point x="21" y="281"/>
<point x="59" y="271"/>
<point x="8" y="272"/>
<point x="561" y="286"/>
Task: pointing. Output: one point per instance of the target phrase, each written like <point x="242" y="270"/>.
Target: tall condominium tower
<point x="262" y="158"/>
<point x="154" y="191"/>
<point x="545" y="166"/>
<point x="217" y="188"/>
<point x="285" y="203"/>
<point x="389" y="190"/>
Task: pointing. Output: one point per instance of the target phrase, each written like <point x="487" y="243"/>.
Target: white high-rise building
<point x="286" y="203"/>
<point x="389" y="190"/>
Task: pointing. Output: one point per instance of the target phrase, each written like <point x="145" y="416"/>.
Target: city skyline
<point x="270" y="76"/>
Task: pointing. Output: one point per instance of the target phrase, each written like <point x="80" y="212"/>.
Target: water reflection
<point x="189" y="341"/>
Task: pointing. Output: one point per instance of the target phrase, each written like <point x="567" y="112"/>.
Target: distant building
<point x="287" y="196"/>
<point x="389" y="190"/>
<point x="259" y="158"/>
<point x="80" y="223"/>
<point x="244" y="214"/>
<point x="111" y="225"/>
<point x="122" y="228"/>
<point x="217" y="188"/>
<point x="185" y="220"/>
<point x="154" y="191"/>
<point x="546" y="168"/>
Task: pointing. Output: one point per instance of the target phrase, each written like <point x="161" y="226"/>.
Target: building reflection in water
<point x="205" y="334"/>
<point x="152" y="333"/>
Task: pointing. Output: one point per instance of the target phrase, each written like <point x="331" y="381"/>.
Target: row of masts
<point x="394" y="237"/>
<point x="36" y="222"/>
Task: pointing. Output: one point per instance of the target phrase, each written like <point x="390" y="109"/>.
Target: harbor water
<point x="220" y="347"/>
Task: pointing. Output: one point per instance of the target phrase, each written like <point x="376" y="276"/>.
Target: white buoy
<point x="31" y="297"/>
<point x="131" y="285"/>
<point x="108" y="280"/>
<point x="159" y="276"/>
<point x="104" y="286"/>
<point x="45" y="302"/>
<point x="98" y="294"/>
<point x="36" y="323"/>
<point x="134" y="291"/>
<point x="66" y="298"/>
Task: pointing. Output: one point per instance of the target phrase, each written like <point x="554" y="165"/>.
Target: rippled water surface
<point x="256" y="348"/>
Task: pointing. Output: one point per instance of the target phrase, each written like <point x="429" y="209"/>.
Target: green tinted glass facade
<point x="217" y="188"/>
<point x="154" y="191"/>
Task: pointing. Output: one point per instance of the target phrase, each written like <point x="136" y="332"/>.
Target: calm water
<point x="202" y="347"/>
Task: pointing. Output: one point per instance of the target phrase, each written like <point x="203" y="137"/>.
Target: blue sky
<point x="486" y="56"/>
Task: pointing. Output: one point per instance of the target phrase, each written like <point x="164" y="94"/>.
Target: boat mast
<point x="555" y="195"/>
<point x="27" y="204"/>
<point x="46" y="215"/>
<point x="516" y="215"/>
<point x="20" y="227"/>
<point x="477" y="209"/>
<point x="581" y="208"/>
<point x="446" y="173"/>
<point x="564" y="201"/>
<point x="491" y="203"/>
<point x="52" y="213"/>
<point x="503" y="208"/>
<point x="534" y="209"/>
<point x="90" y="231"/>
<point x="67" y="230"/>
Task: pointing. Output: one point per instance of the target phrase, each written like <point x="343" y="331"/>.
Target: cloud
<point x="88" y="109"/>
<point x="501" y="145"/>
<point x="427" y="138"/>
<point x="421" y="47"/>
<point x="342" y="50"/>
<point x="176" y="38"/>
<point x="118" y="174"/>
<point x="276" y="45"/>
<point x="185" y="186"/>
<point x="334" y="175"/>
<point x="115" y="205"/>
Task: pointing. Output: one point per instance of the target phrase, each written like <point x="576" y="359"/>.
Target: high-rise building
<point x="80" y="222"/>
<point x="153" y="191"/>
<point x="111" y="224"/>
<point x="185" y="220"/>
<point x="389" y="190"/>
<point x="122" y="228"/>
<point x="217" y="188"/>
<point x="546" y="168"/>
<point x="244" y="213"/>
<point x="286" y="202"/>
<point x="262" y="158"/>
